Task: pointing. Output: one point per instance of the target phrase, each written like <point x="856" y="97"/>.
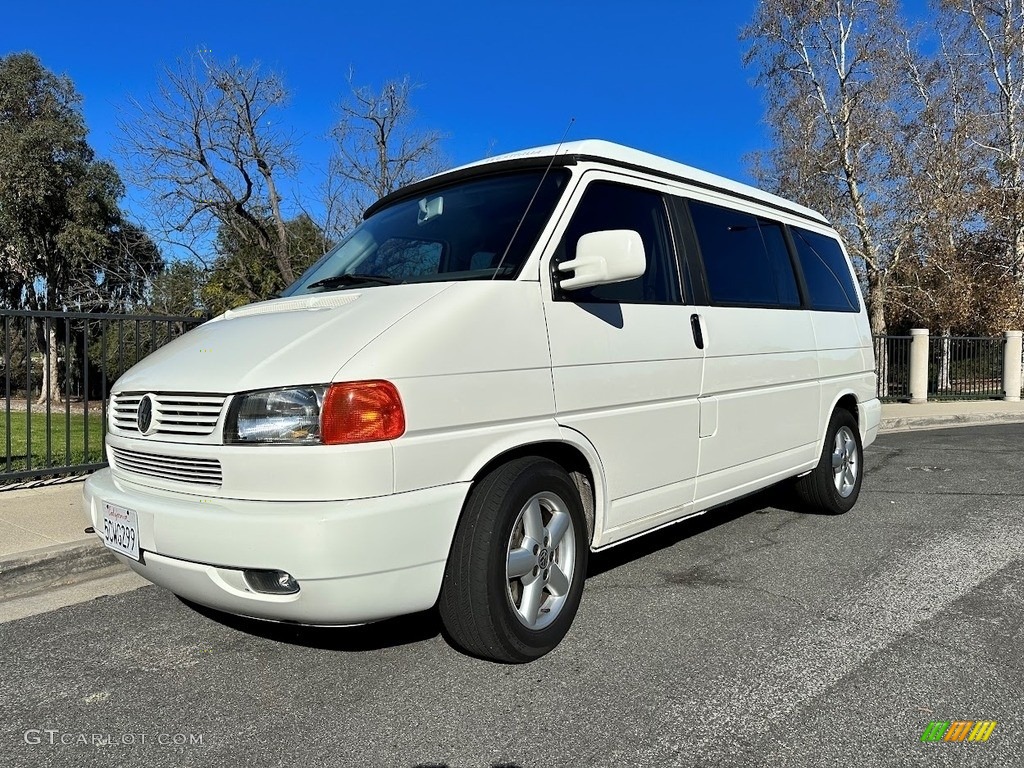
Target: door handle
<point x="698" y="334"/>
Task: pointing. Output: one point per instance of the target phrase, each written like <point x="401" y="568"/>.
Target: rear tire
<point x="833" y="486"/>
<point x="518" y="562"/>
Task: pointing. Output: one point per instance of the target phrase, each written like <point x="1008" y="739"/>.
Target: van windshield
<point x="455" y="232"/>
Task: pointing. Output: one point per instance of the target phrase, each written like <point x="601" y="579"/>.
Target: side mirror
<point x="611" y="256"/>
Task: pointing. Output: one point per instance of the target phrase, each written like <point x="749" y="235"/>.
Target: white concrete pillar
<point x="919" y="365"/>
<point x="1012" y="365"/>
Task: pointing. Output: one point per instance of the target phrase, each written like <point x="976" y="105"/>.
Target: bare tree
<point x="827" y="69"/>
<point x="208" y="148"/>
<point x="937" y="285"/>
<point x="378" y="149"/>
<point x="990" y="38"/>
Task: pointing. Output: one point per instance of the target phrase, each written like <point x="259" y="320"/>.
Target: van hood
<point x="284" y="342"/>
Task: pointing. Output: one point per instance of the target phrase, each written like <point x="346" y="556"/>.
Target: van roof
<point x="598" y="150"/>
<point x="617" y="154"/>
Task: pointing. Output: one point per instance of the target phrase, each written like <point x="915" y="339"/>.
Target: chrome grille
<point x="177" y="468"/>
<point x="173" y="413"/>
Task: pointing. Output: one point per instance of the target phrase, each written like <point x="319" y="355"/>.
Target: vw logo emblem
<point x="145" y="416"/>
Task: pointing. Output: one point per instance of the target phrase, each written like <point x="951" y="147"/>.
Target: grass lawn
<point x="16" y="423"/>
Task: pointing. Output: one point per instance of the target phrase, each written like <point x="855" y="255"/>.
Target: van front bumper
<point x="355" y="561"/>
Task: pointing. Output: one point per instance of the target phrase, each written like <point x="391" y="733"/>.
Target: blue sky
<point x="665" y="76"/>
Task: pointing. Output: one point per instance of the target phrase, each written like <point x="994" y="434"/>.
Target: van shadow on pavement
<point x="417" y="627"/>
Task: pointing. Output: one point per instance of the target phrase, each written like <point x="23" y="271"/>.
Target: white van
<point x="504" y="368"/>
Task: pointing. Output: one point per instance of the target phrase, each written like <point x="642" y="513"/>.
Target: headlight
<point x="339" y="414"/>
<point x="276" y="416"/>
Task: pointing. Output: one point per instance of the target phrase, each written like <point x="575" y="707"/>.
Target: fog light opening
<point x="271" y="582"/>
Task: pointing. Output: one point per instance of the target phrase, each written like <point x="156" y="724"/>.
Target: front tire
<point x="518" y="562"/>
<point x="833" y="486"/>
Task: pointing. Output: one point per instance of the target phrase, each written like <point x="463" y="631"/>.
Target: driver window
<point x="607" y="205"/>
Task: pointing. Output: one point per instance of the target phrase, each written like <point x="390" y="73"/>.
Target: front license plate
<point x="121" y="530"/>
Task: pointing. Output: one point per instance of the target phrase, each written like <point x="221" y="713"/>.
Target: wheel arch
<point x="577" y="456"/>
<point x="846" y="400"/>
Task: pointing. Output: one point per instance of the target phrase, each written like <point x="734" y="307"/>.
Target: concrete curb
<point x="947" y="421"/>
<point x="48" y="567"/>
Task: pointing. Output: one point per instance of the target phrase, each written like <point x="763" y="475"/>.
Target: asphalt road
<point x="754" y="636"/>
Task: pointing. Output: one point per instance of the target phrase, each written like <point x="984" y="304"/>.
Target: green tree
<point x="243" y="272"/>
<point x="60" y="222"/>
<point x="117" y="272"/>
<point x="178" y="289"/>
<point x="57" y="204"/>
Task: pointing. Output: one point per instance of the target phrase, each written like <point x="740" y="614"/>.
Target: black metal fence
<point x="959" y="367"/>
<point x="892" y="366"/>
<point x="57" y="370"/>
<point x="965" y="367"/>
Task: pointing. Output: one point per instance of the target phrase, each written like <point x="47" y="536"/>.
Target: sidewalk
<point x="43" y="543"/>
<point x="900" y="417"/>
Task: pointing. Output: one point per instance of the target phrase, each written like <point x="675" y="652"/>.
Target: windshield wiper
<point x="350" y="279"/>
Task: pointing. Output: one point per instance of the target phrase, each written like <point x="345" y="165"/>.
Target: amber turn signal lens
<point x="361" y="412"/>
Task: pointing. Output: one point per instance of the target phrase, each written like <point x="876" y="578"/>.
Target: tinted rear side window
<point x="826" y="273"/>
<point x="782" y="265"/>
<point x="746" y="259"/>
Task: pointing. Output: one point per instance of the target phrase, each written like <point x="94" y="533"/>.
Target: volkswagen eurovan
<point x="504" y="368"/>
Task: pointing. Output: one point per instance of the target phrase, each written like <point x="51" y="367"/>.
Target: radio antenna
<point x="529" y="205"/>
